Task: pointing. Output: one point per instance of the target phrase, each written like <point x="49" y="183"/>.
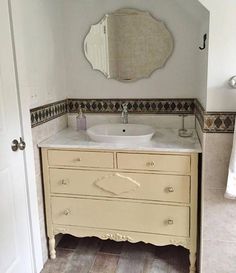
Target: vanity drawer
<point x="152" y="162"/>
<point x="169" y="188"/>
<point x="80" y="159"/>
<point x="130" y="216"/>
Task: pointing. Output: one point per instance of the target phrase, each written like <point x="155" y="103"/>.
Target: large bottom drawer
<point x="121" y="215"/>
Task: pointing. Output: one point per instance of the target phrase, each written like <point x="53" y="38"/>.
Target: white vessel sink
<point x="121" y="133"/>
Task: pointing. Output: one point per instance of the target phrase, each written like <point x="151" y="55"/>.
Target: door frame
<point x="29" y="163"/>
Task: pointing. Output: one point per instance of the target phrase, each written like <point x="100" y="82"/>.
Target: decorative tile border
<point x="145" y="106"/>
<point x="199" y="112"/>
<point x="214" y="122"/>
<point x="48" y="112"/>
<point x="211" y="122"/>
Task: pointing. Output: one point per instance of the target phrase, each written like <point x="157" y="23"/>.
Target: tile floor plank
<point x="84" y="256"/>
<point x="59" y="264"/>
<point x="131" y="265"/>
<point x="105" y="263"/>
<point x="158" y="266"/>
<point x="134" y="257"/>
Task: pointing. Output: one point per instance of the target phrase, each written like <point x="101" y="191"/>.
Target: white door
<point x="15" y="243"/>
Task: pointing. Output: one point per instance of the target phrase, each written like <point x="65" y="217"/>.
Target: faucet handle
<point x="125" y="106"/>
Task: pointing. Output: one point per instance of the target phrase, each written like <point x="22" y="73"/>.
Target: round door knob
<point x="67" y="212"/>
<point x="170" y="189"/>
<point x="14" y="145"/>
<point x="150" y="164"/>
<point x="232" y="82"/>
<point x="22" y="144"/>
<point x="170" y="222"/>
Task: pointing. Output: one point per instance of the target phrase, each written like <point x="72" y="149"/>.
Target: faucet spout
<point x="124" y="114"/>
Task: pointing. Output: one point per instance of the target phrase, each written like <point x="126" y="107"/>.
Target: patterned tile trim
<point x="47" y="112"/>
<point x="145" y="106"/>
<point x="199" y="113"/>
<point x="211" y="122"/>
<point x="219" y="122"/>
<point x="214" y="122"/>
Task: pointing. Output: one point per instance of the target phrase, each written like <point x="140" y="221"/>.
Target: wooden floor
<point x="91" y="255"/>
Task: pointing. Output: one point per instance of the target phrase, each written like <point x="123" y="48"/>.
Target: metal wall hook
<point x="204" y="42"/>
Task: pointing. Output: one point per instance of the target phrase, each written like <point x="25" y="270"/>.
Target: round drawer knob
<point x="170" y="222"/>
<point x="67" y="212"/>
<point x="150" y="164"/>
<point x="77" y="159"/>
<point x="170" y="189"/>
<point x="64" y="182"/>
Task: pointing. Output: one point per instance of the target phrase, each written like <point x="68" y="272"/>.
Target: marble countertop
<point x="164" y="140"/>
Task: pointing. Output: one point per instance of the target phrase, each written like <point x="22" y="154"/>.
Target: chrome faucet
<point x="124" y="114"/>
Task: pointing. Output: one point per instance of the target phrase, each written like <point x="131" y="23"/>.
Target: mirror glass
<point x="128" y="44"/>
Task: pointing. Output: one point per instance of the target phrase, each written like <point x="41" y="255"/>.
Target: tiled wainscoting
<point x="39" y="134"/>
<point x="218" y="250"/>
<point x="215" y="132"/>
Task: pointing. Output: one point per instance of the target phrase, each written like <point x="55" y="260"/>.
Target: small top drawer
<point x="80" y="159"/>
<point x="153" y="162"/>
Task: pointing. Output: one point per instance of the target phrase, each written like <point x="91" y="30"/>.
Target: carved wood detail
<point x="116" y="184"/>
<point x="179" y="243"/>
<point x="117" y="237"/>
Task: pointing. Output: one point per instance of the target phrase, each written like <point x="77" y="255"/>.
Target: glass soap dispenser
<point x="81" y="120"/>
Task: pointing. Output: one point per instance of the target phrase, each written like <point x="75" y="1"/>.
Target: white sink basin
<point x="121" y="133"/>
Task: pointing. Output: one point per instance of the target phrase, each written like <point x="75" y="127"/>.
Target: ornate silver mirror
<point x="128" y="44"/>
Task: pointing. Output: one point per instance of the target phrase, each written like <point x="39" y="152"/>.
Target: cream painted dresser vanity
<point x="146" y="193"/>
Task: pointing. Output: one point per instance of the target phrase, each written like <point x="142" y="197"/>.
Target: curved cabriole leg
<point x="192" y="260"/>
<point x="52" y="251"/>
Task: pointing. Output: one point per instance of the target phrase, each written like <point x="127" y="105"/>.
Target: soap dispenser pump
<point x="81" y="120"/>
